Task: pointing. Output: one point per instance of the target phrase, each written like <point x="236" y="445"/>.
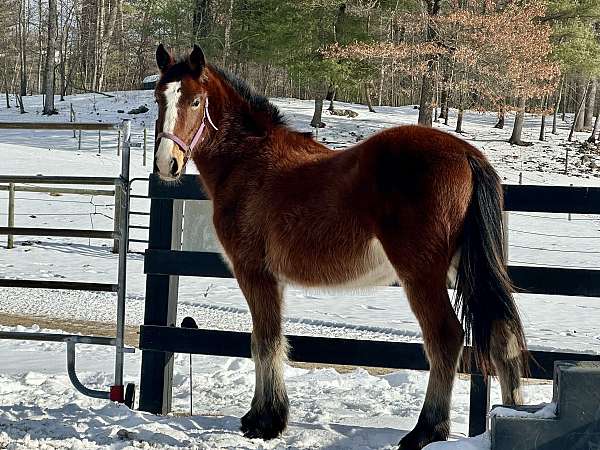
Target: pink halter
<point x="187" y="149"/>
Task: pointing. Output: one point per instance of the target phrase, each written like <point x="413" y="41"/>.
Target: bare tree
<point x="50" y="54"/>
<point x="427" y="83"/>
<point x="22" y="36"/>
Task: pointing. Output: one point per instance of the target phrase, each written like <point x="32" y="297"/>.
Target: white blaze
<point x="163" y="155"/>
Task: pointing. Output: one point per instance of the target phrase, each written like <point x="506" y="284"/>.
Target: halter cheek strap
<point x="187" y="149"/>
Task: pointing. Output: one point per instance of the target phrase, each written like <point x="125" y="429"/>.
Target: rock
<point x="343" y="112"/>
<point x="120" y="111"/>
<point x="139" y="110"/>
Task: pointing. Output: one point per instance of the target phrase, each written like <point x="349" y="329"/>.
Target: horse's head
<point x="183" y="116"/>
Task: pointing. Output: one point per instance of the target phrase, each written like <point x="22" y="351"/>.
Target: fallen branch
<point x="93" y="91"/>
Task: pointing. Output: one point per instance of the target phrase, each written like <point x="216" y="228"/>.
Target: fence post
<point x="123" y="188"/>
<point x="72" y="117"/>
<point x="145" y="146"/>
<point x="11" y="214"/>
<point x="79" y="143"/>
<point x="119" y="142"/>
<point x="479" y="404"/>
<point x="160" y="307"/>
<point x="99" y="142"/>
<point x="569" y="214"/>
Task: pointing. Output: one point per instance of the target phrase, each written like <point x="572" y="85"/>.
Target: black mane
<point x="256" y="101"/>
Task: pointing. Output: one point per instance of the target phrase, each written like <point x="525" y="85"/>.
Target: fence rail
<point x="165" y="262"/>
<point x="57" y="190"/>
<point x="67" y="126"/>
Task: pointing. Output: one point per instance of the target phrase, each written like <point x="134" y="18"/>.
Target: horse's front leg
<point x="268" y="414"/>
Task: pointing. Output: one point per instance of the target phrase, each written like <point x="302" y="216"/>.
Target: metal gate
<point x="117" y="392"/>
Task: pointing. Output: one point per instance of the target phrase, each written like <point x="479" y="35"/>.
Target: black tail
<point x="483" y="288"/>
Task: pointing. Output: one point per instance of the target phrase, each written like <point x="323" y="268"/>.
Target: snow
<point x="355" y="410"/>
<point x="545" y="411"/>
<point x="151" y="78"/>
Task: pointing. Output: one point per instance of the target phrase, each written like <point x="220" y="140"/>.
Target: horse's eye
<point x="196" y="103"/>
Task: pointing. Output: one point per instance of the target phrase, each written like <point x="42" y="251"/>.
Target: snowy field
<point x="356" y="410"/>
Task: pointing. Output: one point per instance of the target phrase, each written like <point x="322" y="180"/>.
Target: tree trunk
<point x="39" y="87"/>
<point x="381" y="78"/>
<point x="49" y="67"/>
<point x="367" y="92"/>
<point x="427" y="85"/>
<point x="444" y="102"/>
<point x="201" y="20"/>
<point x="590" y="102"/>
<point x="592" y="138"/>
<point x="557" y="105"/>
<point x="459" y="120"/>
<point x="105" y="41"/>
<point x="579" y="112"/>
<point x="227" y="35"/>
<point x="316" y="119"/>
<point x="501" y="119"/>
<point x="20" y="103"/>
<point x="331" y="97"/>
<point x="564" y="99"/>
<point x="582" y="88"/>
<point x="22" y="30"/>
<point x="515" y="138"/>
<point x="426" y="101"/>
<point x="543" y="128"/>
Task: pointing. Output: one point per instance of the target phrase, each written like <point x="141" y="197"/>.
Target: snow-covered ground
<point x="38" y="407"/>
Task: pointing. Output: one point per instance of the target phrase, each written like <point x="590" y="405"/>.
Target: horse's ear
<point x="197" y="61"/>
<point x="164" y="59"/>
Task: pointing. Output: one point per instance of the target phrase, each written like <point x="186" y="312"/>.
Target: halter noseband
<point x="187" y="149"/>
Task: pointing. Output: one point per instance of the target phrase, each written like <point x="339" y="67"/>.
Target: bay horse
<point x="409" y="203"/>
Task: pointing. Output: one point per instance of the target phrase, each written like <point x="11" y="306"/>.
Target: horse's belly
<point x="364" y="267"/>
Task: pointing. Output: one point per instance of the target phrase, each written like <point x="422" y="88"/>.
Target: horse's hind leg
<point x="443" y="337"/>
<point x="508" y="361"/>
<point x="268" y="414"/>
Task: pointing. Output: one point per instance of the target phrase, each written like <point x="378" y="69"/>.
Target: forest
<point x="522" y="56"/>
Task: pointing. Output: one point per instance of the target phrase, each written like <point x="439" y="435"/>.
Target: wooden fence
<point x="165" y="262"/>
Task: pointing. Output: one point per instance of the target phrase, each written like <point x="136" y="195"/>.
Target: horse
<point x="409" y="204"/>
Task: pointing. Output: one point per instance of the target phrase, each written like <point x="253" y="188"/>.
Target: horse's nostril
<point x="174" y="166"/>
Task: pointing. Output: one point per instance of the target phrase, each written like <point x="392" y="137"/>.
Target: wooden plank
<point x="42" y="179"/>
<point x="535" y="280"/>
<point x="556" y="281"/>
<point x="62" y="232"/>
<point x="186" y="188"/>
<point x="324" y="350"/>
<point x="59" y="126"/>
<point x="56" y="284"/>
<point x="57" y="190"/>
<point x="184" y="263"/>
<point x="552" y="199"/>
<point x="479" y="404"/>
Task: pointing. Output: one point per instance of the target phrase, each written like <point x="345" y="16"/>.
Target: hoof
<point x="264" y="424"/>
<point x="421" y="436"/>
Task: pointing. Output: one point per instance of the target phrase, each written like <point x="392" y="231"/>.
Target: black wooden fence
<point x="165" y="262"/>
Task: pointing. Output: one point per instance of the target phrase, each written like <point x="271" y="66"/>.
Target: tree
<point x="428" y="80"/>
<point x="50" y="55"/>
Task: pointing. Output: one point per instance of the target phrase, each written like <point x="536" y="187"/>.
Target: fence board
<point x="42" y="179"/>
<point x="62" y="232"/>
<point x="325" y="350"/>
<point x="59" y="126"/>
<point x="55" y="284"/>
